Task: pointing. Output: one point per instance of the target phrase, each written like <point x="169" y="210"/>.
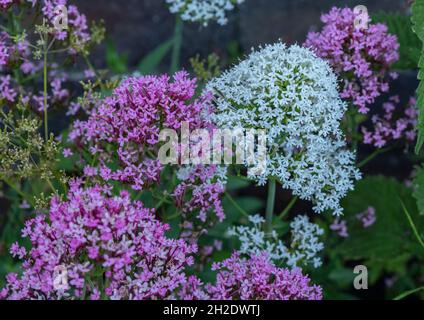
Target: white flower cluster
<point x="305" y="243"/>
<point x="203" y="10"/>
<point x="302" y="251"/>
<point x="292" y="94"/>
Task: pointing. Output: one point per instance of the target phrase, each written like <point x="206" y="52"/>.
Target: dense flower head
<point x="362" y="57"/>
<point x="131" y="119"/>
<point x="257" y="278"/>
<point x="203" y="10"/>
<point x="392" y="125"/>
<point x="302" y="251"/>
<point x="291" y="94"/>
<point x="95" y="245"/>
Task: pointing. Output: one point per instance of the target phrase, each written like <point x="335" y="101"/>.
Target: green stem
<point x="411" y="222"/>
<point x="288" y="208"/>
<point x="408" y="293"/>
<point x="236" y="205"/>
<point x="176" y="49"/>
<point x="20" y="192"/>
<point x="46" y="125"/>
<point x="270" y="206"/>
<point x="372" y="156"/>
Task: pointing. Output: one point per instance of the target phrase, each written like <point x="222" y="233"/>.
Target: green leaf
<point x="418" y="27"/>
<point x="236" y="183"/>
<point x="152" y="60"/>
<point x="419" y="190"/>
<point x="410" y="45"/>
<point x="115" y="61"/>
<point x="389" y="243"/>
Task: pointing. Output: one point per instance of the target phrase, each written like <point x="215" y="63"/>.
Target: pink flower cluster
<point x="18" y="55"/>
<point x="361" y="57"/>
<point x="255" y="278"/>
<point x="97" y="246"/>
<point x="131" y="120"/>
<point x="199" y="193"/>
<point x="5" y="4"/>
<point x="392" y="127"/>
<point x="77" y="22"/>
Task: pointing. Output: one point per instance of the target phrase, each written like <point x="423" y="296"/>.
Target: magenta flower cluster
<point x="255" y="278"/>
<point x="77" y="22"/>
<point x="392" y="126"/>
<point x="204" y="193"/>
<point x="94" y="238"/>
<point x="5" y="4"/>
<point x="131" y="120"/>
<point x="361" y="57"/>
<point x="17" y="54"/>
<point x="96" y="246"/>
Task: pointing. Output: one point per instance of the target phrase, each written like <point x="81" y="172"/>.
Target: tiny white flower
<point x="304" y="246"/>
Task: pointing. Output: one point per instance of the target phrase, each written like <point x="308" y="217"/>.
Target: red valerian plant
<point x="97" y="246"/>
<point x="361" y="56"/>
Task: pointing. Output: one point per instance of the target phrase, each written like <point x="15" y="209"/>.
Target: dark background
<point x="138" y="26"/>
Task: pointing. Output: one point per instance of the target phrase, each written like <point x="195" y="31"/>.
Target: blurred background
<point x="138" y="26"/>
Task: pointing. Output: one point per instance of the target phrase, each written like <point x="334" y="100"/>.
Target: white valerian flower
<point x="292" y="94"/>
<point x="203" y="10"/>
<point x="304" y="245"/>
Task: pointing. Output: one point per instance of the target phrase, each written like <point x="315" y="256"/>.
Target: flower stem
<point x="178" y="40"/>
<point x="270" y="206"/>
<point x="46" y="125"/>
<point x="236" y="205"/>
<point x="372" y="156"/>
<point x="288" y="208"/>
<point x="19" y="192"/>
<point x="408" y="293"/>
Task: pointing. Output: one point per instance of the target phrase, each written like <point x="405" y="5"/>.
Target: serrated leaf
<point x="389" y="242"/>
<point x="418" y="27"/>
<point x="152" y="60"/>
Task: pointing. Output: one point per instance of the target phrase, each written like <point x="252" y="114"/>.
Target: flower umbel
<point x="291" y="94"/>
